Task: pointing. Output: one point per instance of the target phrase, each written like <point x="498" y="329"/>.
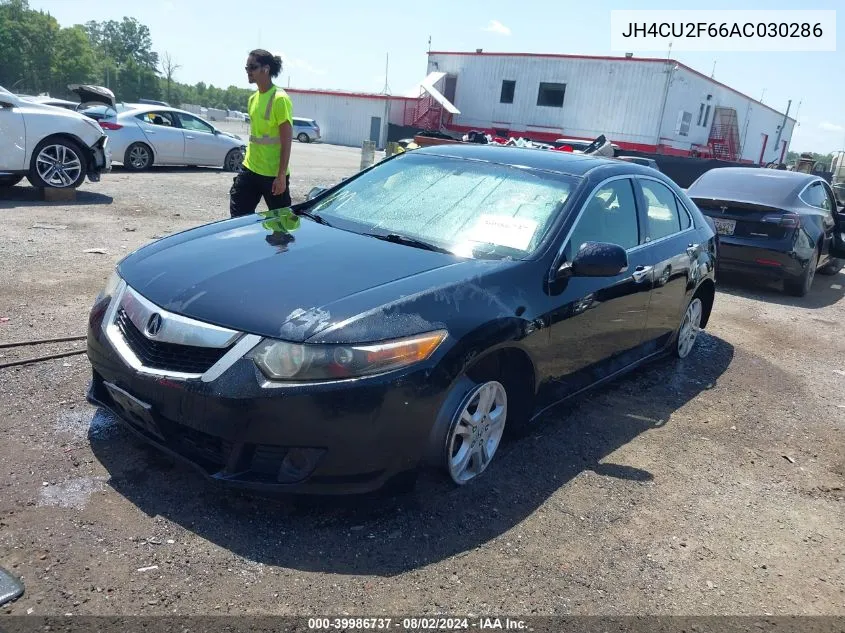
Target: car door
<point x="12" y="135"/>
<point x="668" y="253"/>
<point x="596" y="323"/>
<point x="834" y="223"/>
<point x="164" y="134"/>
<point x="202" y="145"/>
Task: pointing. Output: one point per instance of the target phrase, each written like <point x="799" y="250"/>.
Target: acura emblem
<point x="154" y="324"/>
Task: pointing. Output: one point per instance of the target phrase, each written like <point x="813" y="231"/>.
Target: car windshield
<point x="468" y="207"/>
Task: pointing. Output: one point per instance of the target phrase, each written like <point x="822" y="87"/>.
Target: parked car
<point x="53" y="147"/>
<point x="640" y="160"/>
<point x="144" y="136"/>
<point x="429" y="302"/>
<point x="306" y="130"/>
<point x="773" y="224"/>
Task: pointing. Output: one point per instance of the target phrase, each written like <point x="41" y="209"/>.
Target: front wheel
<point x="476" y="431"/>
<point x="690" y="328"/>
<point x="57" y="163"/>
<point x="304" y="138"/>
<point x="233" y="160"/>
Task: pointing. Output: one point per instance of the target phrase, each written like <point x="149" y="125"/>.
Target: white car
<point x="53" y="147"/>
<point x="149" y="135"/>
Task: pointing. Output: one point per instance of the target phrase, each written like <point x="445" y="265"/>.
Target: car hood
<point x="93" y="94"/>
<point x="248" y="275"/>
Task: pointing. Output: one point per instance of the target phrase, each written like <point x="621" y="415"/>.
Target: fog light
<point x="298" y="464"/>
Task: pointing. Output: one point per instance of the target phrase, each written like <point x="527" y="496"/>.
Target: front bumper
<point x="100" y="159"/>
<point x="328" y="438"/>
<point x="772" y="260"/>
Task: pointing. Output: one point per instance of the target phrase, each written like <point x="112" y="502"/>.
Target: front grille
<point x="187" y="359"/>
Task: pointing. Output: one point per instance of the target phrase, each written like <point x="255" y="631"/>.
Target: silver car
<point x="148" y="135"/>
<point x="305" y="130"/>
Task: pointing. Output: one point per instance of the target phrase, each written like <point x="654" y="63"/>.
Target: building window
<point x="551" y="95"/>
<point x="706" y="116"/>
<point x="684" y="121"/>
<point x="700" y="113"/>
<point x="508" y="88"/>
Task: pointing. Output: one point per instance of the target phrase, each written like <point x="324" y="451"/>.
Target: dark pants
<point x="247" y="190"/>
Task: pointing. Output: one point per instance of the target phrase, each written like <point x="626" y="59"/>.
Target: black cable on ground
<point x="42" y="341"/>
<point x="39" y="359"/>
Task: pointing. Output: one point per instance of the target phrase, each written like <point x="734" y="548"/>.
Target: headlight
<point x="279" y="360"/>
<point x="111" y="285"/>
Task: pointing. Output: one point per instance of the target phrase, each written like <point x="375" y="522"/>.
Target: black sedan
<point x="776" y="225"/>
<point x="402" y="318"/>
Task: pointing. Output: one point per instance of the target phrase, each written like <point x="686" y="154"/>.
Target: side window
<point x="193" y="123"/>
<point x="817" y="196"/>
<point x="610" y="216"/>
<point x="158" y="118"/>
<point x="664" y="217"/>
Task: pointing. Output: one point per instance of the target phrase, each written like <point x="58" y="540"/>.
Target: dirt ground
<point x="714" y="485"/>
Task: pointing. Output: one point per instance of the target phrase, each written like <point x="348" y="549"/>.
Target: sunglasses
<point x="251" y="67"/>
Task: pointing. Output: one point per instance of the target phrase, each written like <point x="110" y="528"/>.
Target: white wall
<point x="344" y="119"/>
<point x="620" y="98"/>
<point x="688" y="90"/>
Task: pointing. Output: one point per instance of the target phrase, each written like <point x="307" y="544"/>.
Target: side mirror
<point x="316" y="191"/>
<point x="596" y="259"/>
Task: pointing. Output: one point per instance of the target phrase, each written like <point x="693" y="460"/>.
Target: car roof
<point x="759" y="185"/>
<point x="543" y="159"/>
<point x="141" y="108"/>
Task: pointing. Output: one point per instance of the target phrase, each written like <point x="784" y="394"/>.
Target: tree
<point x="73" y="60"/>
<point x="168" y="68"/>
<point x="26" y="47"/>
<point x="122" y="41"/>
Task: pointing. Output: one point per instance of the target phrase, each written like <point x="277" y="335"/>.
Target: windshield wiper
<point x="317" y="218"/>
<point x="409" y="241"/>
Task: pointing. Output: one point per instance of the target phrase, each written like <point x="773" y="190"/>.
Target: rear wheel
<point x="10" y="181"/>
<point x="57" y="163"/>
<point x="303" y="137"/>
<point x="802" y="285"/>
<point x="690" y="328"/>
<point x="138" y="157"/>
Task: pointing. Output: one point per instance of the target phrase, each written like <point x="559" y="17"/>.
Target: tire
<point x="690" y="328"/>
<point x="10" y="181"/>
<point x="802" y="285"/>
<point x="233" y="160"/>
<point x="475" y="431"/>
<point x="832" y="267"/>
<point x="138" y="157"/>
<point x="303" y="138"/>
<point x="57" y="163"/>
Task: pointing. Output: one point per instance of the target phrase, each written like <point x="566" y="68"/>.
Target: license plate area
<point x="135" y="411"/>
<point x="724" y="226"/>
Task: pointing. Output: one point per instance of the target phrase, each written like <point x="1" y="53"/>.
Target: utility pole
<point x="782" y="125"/>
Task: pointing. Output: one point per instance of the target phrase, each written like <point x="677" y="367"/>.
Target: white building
<point x="349" y="118"/>
<point x="643" y="104"/>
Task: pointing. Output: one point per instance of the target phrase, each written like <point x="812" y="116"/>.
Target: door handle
<point x="188" y="136"/>
<point x="641" y="272"/>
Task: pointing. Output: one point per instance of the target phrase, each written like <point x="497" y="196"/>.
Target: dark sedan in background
<point x="773" y="224"/>
<point x="404" y="317"/>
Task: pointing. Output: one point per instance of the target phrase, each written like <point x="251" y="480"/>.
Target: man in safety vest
<point x="266" y="167"/>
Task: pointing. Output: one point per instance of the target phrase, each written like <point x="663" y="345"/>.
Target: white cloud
<point x="497" y="27"/>
<point x="831" y="127"/>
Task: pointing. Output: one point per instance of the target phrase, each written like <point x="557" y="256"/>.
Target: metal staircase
<point x="724" y="134"/>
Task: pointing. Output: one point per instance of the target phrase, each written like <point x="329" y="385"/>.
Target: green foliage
<point x="38" y="56"/>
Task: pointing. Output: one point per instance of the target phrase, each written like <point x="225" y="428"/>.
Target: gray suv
<point x="306" y="130"/>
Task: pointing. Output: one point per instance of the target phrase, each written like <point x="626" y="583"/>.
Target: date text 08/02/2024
<point x="415" y="624"/>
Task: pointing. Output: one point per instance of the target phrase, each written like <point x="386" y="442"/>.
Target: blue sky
<point x="341" y="45"/>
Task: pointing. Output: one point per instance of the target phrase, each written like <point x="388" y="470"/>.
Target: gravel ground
<point x="713" y="485"/>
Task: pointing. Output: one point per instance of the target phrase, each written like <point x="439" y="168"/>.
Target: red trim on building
<point x="652" y="60"/>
